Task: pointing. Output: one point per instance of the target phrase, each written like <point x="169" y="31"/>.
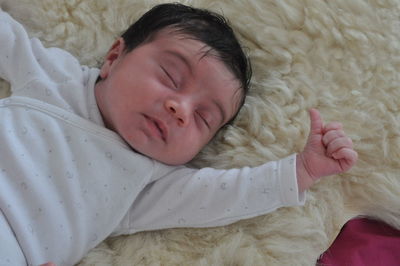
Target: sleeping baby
<point x="88" y="153"/>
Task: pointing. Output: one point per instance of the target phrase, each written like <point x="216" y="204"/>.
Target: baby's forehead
<point x="176" y="36"/>
<point x="172" y="37"/>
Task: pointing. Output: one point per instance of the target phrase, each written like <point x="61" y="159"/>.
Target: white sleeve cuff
<point x="290" y="193"/>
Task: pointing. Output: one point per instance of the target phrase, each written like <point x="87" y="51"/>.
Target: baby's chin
<point x="170" y="160"/>
<point x="166" y="159"/>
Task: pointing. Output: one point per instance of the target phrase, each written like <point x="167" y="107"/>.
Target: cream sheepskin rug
<point x="342" y="57"/>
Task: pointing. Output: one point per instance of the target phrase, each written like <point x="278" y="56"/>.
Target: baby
<point x="87" y="153"/>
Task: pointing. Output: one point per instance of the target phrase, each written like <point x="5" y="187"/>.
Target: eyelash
<point x="169" y="76"/>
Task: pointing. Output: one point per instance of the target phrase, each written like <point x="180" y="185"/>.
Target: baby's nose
<point x="179" y="110"/>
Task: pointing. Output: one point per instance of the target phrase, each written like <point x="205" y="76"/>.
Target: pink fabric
<point x="364" y="242"/>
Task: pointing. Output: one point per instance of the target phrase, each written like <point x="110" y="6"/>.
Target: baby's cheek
<point x="191" y="148"/>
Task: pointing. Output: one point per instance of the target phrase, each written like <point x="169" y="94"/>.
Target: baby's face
<point x="165" y="98"/>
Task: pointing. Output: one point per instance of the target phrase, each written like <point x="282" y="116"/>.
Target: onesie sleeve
<point x="207" y="197"/>
<point x="23" y="59"/>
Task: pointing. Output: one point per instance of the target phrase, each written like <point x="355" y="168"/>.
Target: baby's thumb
<point x="316" y="125"/>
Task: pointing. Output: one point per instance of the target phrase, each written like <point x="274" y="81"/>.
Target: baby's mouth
<point x="160" y="127"/>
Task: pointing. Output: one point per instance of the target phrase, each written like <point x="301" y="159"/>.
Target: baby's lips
<point x="161" y="126"/>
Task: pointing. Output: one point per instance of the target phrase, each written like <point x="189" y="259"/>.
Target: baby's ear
<point x="116" y="51"/>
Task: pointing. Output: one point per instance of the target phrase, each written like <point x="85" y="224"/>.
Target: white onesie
<point x="67" y="182"/>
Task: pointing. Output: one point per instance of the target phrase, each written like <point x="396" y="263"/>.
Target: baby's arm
<point x="16" y="54"/>
<point x="23" y="59"/>
<point x="184" y="197"/>
<point x="328" y="151"/>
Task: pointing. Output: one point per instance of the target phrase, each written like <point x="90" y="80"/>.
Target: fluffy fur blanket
<point x="341" y="57"/>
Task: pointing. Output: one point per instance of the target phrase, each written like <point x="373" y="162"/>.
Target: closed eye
<point x="204" y="120"/>
<point x="170" y="77"/>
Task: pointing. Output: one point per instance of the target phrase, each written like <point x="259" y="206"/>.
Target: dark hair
<point x="203" y="25"/>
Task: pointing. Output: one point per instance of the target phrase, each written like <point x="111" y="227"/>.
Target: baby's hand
<point x="328" y="151"/>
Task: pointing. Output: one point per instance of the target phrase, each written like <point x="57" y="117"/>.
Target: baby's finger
<point x="316" y="123"/>
<point x="332" y="135"/>
<point x="347" y="158"/>
<point x="333" y="126"/>
<point x="337" y="144"/>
